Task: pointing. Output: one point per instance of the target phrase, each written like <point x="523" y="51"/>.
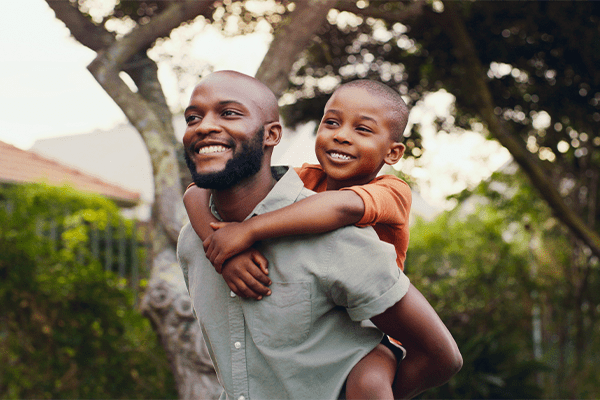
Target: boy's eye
<point x="364" y="129"/>
<point x="331" y="122"/>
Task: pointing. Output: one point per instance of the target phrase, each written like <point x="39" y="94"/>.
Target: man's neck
<point x="236" y="203"/>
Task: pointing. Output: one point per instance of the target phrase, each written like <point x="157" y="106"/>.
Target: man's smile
<point x="208" y="147"/>
<point x="211" y="149"/>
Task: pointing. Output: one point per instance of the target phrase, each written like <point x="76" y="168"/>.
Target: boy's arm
<point x="432" y="356"/>
<point x="196" y="201"/>
<point x="319" y="213"/>
<point x="246" y="274"/>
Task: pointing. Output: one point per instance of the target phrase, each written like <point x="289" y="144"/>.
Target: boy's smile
<point x="354" y="139"/>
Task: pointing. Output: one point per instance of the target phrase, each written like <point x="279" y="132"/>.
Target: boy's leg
<point x="373" y="376"/>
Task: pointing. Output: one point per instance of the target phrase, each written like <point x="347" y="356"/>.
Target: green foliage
<point x="69" y="329"/>
<point x="481" y="287"/>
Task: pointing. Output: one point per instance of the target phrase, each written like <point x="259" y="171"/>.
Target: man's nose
<point x="207" y="125"/>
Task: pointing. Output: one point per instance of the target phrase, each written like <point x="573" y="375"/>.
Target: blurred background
<point x="503" y="157"/>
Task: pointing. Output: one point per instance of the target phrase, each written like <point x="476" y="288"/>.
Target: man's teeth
<point x="211" y="149"/>
<point x="340" y="156"/>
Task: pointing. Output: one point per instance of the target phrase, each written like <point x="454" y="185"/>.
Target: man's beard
<point x="244" y="164"/>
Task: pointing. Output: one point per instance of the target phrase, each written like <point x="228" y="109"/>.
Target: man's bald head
<point x="252" y="89"/>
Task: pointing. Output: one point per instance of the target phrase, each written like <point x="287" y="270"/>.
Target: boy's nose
<point x="341" y="136"/>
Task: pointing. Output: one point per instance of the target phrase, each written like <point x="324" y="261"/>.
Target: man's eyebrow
<point x="221" y="103"/>
<point x="225" y="102"/>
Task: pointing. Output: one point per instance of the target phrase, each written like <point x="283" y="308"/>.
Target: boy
<point x="361" y="130"/>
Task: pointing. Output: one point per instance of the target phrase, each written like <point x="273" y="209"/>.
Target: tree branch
<point x="465" y="49"/>
<point x="290" y="39"/>
<point x="83" y="30"/>
<point x="404" y="14"/>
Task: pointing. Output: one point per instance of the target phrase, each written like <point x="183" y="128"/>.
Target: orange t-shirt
<point x="387" y="205"/>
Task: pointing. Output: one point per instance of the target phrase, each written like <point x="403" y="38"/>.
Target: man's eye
<point x="230" y="113"/>
<point x="191" y="118"/>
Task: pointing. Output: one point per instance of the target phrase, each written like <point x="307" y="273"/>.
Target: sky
<point x="46" y="91"/>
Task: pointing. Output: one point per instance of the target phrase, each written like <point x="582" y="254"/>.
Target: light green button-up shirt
<point x="302" y="340"/>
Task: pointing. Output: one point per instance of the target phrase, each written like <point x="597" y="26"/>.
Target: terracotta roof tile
<point x="20" y="166"/>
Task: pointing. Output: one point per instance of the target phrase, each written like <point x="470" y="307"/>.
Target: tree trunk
<point x="166" y="302"/>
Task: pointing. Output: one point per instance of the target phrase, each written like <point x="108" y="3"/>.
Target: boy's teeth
<point x="211" y="149"/>
<point x="340" y="156"/>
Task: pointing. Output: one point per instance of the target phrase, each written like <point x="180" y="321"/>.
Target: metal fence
<point x="118" y="248"/>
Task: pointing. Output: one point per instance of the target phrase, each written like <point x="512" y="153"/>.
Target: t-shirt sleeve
<point x="363" y="275"/>
<point x="387" y="201"/>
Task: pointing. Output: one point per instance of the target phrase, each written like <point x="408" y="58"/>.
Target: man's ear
<point x="273" y="132"/>
<point x="395" y="153"/>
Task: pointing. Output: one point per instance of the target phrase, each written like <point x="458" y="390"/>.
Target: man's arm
<point x="319" y="213"/>
<point x="432" y="356"/>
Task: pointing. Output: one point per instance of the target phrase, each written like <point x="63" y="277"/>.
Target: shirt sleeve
<point x="363" y="275"/>
<point x="387" y="201"/>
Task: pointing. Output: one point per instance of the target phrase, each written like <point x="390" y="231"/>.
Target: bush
<point x="69" y="329"/>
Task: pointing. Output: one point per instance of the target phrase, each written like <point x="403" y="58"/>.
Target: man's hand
<point x="246" y="274"/>
<point x="228" y="240"/>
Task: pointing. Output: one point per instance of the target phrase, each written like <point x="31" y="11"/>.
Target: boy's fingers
<point x="234" y="288"/>
<point x="259" y="275"/>
<point x="256" y="286"/>
<point x="206" y="243"/>
<point x="217" y="225"/>
<point x="219" y="268"/>
<point x="261" y="262"/>
<point x="246" y="286"/>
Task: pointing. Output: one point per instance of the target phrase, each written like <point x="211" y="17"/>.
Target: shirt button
<point x="231" y="294"/>
<point x="237" y="345"/>
<point x="241" y="398"/>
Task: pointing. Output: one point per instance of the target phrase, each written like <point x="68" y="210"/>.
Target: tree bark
<point x="166" y="302"/>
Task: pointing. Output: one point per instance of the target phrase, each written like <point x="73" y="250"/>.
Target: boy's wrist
<point x="252" y="230"/>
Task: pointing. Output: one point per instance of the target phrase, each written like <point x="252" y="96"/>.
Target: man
<point x="303" y="339"/>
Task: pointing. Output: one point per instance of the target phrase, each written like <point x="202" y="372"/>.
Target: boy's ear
<point x="395" y="153"/>
<point x="273" y="132"/>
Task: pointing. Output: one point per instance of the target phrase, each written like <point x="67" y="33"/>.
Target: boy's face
<point x="354" y="139"/>
<point x="223" y="124"/>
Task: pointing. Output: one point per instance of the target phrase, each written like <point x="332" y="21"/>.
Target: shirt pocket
<point x="282" y="319"/>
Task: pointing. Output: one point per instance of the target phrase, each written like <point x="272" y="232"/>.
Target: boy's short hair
<point x="398" y="105"/>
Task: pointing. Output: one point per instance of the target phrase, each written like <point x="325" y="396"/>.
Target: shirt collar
<point x="285" y="192"/>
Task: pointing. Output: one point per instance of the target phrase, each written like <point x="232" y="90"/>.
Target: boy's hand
<point x="246" y="274"/>
<point x="229" y="239"/>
